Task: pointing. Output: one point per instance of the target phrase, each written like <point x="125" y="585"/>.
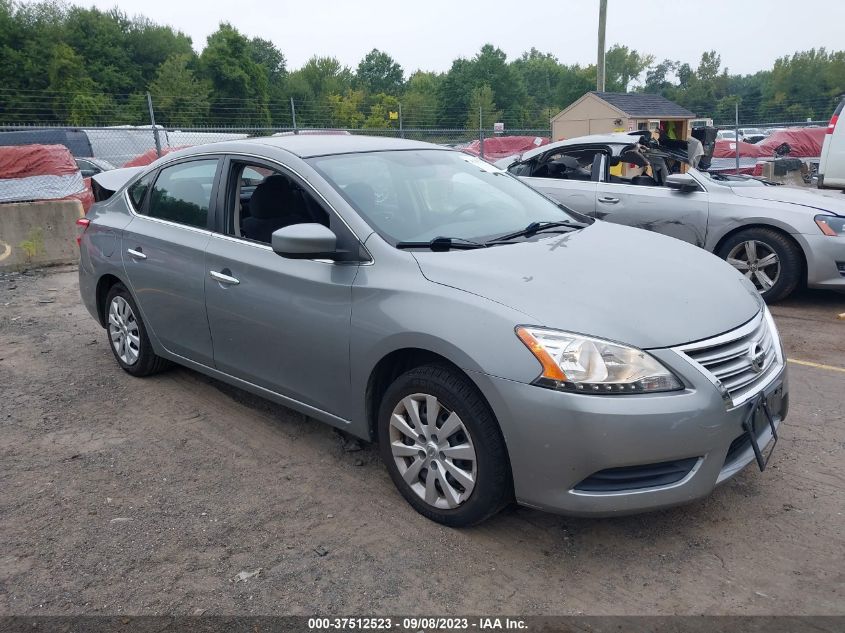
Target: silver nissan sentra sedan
<point x="495" y="344"/>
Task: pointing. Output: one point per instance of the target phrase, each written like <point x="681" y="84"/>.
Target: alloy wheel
<point x="123" y="331"/>
<point x="757" y="261"/>
<point x="433" y="451"/>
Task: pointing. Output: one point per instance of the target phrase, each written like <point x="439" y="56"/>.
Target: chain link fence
<point x="133" y="145"/>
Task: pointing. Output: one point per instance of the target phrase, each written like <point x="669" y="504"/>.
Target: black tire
<point x="493" y="488"/>
<point x="147" y="362"/>
<point x="789" y="254"/>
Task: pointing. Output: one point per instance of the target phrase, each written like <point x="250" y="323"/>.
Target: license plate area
<point x="761" y="412"/>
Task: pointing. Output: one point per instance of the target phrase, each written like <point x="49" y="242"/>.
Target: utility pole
<point x="600" y="56"/>
<point x="293" y="116"/>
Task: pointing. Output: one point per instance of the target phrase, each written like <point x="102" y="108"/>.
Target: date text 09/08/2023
<point x="417" y="623"/>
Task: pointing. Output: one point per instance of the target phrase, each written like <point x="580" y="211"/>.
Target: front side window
<point x="410" y="196"/>
<point x="265" y="200"/>
<point x="182" y="193"/>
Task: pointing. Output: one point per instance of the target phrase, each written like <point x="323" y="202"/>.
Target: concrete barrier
<point x="38" y="233"/>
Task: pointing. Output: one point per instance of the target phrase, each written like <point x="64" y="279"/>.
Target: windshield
<point x="415" y="196"/>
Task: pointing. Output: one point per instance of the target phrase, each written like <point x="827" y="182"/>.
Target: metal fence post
<point x="481" y="131"/>
<point x="736" y="133"/>
<point x="293" y="116"/>
<point x="153" y="123"/>
<point x="401" y="129"/>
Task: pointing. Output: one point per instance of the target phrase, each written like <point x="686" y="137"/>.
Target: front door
<point x="163" y="250"/>
<point x="682" y="215"/>
<point x="282" y="324"/>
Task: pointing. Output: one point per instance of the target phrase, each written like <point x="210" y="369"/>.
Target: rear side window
<point x="182" y="193"/>
<point x="138" y="190"/>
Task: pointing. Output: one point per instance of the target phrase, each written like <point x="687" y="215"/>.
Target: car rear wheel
<point x="128" y="338"/>
<point x="769" y="259"/>
<point x="443" y="447"/>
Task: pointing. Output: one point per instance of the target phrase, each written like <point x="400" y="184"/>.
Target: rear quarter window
<point x="138" y="190"/>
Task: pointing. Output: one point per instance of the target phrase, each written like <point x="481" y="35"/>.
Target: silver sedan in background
<point x="777" y="236"/>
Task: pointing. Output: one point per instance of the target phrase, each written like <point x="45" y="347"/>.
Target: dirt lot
<point x="120" y="495"/>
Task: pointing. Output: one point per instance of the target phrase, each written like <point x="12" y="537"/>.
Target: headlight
<point x="572" y="362"/>
<point x="831" y="225"/>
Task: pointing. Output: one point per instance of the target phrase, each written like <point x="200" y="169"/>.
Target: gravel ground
<point x="152" y="496"/>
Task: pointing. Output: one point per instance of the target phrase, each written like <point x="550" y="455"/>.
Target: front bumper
<point x="825" y="261"/>
<point x="557" y="440"/>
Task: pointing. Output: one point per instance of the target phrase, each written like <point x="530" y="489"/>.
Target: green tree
<point x="346" y="110"/>
<point x="379" y="73"/>
<point x="75" y="100"/>
<point x="622" y="66"/>
<point x="419" y="103"/>
<point x="239" y="85"/>
<point x="313" y="84"/>
<point x="180" y="99"/>
<point x="272" y="62"/>
<point x="488" y="67"/>
<point x="380" y="108"/>
<point x="150" y="45"/>
<point x="482" y="108"/>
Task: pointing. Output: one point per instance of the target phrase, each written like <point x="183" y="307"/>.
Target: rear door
<point x="163" y="250"/>
<point x="682" y="215"/>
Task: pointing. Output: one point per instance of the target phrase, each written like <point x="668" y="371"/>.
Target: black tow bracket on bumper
<point x="759" y="405"/>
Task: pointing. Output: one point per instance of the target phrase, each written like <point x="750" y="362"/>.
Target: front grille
<point x="841" y="267"/>
<point x="741" y="361"/>
<point x="636" y="477"/>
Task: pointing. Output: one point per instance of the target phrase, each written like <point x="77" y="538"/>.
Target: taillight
<point x="832" y="124"/>
<point x="81" y="222"/>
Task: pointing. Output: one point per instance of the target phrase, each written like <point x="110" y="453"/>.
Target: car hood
<point x="793" y="195"/>
<point x="606" y="280"/>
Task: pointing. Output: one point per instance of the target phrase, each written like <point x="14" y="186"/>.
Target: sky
<point x="428" y="34"/>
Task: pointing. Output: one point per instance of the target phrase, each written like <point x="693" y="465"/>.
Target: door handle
<point x="224" y="279"/>
<point x="608" y="199"/>
<point x="137" y="254"/>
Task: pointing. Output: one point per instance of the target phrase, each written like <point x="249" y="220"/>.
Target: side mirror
<point x="682" y="182"/>
<point x="305" y="241"/>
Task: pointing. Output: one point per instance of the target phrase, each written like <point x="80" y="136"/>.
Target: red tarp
<point x="142" y="160"/>
<point x="43" y="172"/>
<point x="804" y="142"/>
<point x="24" y="161"/>
<point x="727" y="149"/>
<point x="497" y="147"/>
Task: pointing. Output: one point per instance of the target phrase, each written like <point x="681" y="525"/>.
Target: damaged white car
<point x="777" y="236"/>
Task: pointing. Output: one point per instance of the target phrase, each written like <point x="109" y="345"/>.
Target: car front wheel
<point x="768" y="258"/>
<point x="443" y="447"/>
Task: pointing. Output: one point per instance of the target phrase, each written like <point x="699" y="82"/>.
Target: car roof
<point x="613" y="138"/>
<point x="310" y="145"/>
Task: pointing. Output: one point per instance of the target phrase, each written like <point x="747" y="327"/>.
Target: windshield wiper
<point x="441" y="243"/>
<point x="536" y="227"/>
